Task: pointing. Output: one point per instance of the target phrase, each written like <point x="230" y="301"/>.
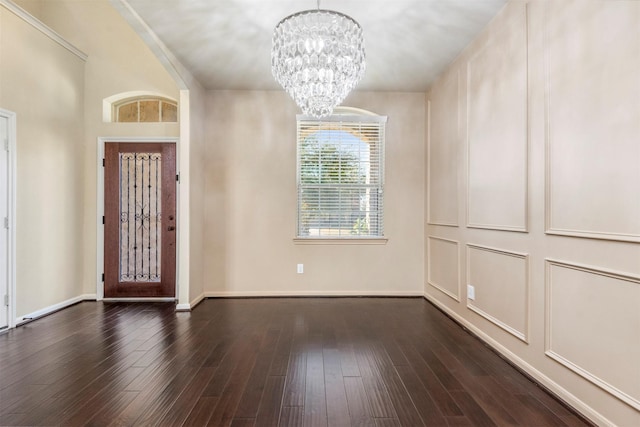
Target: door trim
<point x="100" y="211"/>
<point x="12" y="186"/>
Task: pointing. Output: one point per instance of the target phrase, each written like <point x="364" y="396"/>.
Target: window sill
<point x="330" y="241"/>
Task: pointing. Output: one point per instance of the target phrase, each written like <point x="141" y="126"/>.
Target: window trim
<point x="315" y="240"/>
<point x="345" y="115"/>
<point x="110" y="103"/>
<point x="137" y="100"/>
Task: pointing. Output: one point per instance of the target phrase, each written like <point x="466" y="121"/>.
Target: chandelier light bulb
<point x="318" y="57"/>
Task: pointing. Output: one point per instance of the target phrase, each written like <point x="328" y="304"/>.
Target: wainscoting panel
<point x="593" y="326"/>
<point x="442" y="152"/>
<point x="501" y="282"/>
<point x="593" y="154"/>
<point x="443" y="267"/>
<point x="497" y="130"/>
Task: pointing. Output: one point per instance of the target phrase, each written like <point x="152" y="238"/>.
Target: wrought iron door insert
<point x="139" y="219"/>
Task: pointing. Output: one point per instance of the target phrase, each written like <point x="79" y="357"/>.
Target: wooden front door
<point x="140" y="220"/>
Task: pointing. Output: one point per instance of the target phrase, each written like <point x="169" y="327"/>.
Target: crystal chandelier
<point x="318" y="58"/>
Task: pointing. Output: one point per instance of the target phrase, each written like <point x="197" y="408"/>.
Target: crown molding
<point x="44" y="29"/>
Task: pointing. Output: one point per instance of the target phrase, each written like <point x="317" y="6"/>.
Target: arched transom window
<point x="145" y="109"/>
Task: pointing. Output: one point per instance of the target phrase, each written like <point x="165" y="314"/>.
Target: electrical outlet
<point x="300" y="268"/>
<point x="471" y="292"/>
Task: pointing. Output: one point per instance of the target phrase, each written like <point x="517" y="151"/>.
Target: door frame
<point x="11" y="208"/>
<point x="100" y="213"/>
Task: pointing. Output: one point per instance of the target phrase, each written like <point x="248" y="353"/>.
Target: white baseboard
<point x="197" y="300"/>
<point x="541" y="378"/>
<point x="276" y="294"/>
<point x="150" y="299"/>
<point x="258" y="294"/>
<point x="188" y="307"/>
<point x="52" y="308"/>
<point x="183" y="307"/>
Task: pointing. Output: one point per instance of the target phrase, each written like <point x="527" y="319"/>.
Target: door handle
<point x="171" y="228"/>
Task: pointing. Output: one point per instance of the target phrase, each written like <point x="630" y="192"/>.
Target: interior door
<point x="140" y="220"/>
<point x="4" y="215"/>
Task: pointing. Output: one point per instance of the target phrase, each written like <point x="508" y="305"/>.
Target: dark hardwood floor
<point x="263" y="362"/>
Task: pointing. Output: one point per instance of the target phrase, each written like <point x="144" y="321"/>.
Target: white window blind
<point x="340" y="177"/>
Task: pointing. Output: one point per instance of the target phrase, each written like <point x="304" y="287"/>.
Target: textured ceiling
<point x="226" y="44"/>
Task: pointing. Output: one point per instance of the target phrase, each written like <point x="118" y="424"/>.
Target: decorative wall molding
<point x="430" y="281"/>
<point x="521" y="335"/>
<point x="606" y="68"/>
<point x="500" y="38"/>
<point x="44" y="29"/>
<point x="633" y="401"/>
<point x="616" y="237"/>
<point x="497" y="227"/>
<point x="443" y="224"/>
<point x="498" y="250"/>
<point x="513" y="331"/>
<point x="522" y="364"/>
<point x="430" y="220"/>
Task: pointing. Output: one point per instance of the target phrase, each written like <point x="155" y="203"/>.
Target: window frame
<point x="351" y="118"/>
<point x="161" y="100"/>
<point x="111" y="103"/>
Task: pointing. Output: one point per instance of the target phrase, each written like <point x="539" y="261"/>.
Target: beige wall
<point x="534" y="197"/>
<point x="43" y="83"/>
<point x="190" y="158"/>
<point x="118" y="61"/>
<point x="195" y="205"/>
<point x="33" y="7"/>
<point x="532" y="166"/>
<point x="250" y="202"/>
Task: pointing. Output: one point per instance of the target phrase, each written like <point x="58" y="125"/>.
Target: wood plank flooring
<point x="262" y="362"/>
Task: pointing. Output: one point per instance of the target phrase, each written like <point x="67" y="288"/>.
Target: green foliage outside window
<point x="334" y="177"/>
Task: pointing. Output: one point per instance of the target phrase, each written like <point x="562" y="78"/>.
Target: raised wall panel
<point x="442" y="152"/>
<point x="501" y="281"/>
<point x="443" y="266"/>
<point x="593" y="149"/>
<point x="497" y="129"/>
<point x="593" y="326"/>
